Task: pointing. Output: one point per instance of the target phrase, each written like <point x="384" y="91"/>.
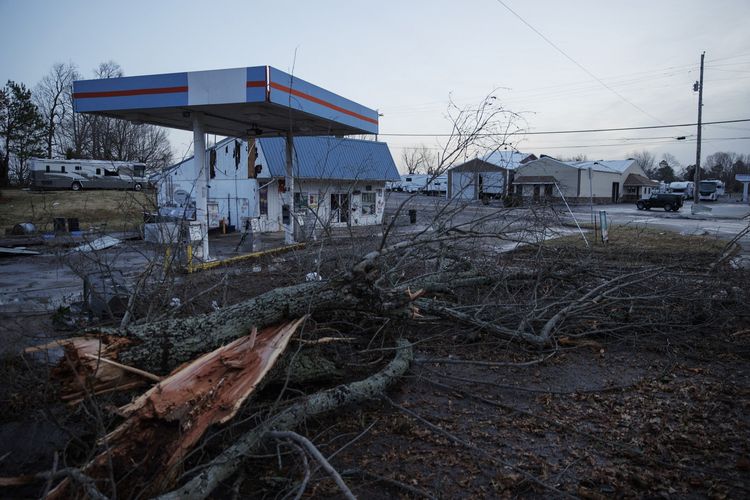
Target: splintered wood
<point x="87" y="367"/>
<point x="165" y="423"/>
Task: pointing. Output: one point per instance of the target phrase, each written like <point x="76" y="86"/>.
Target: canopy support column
<point x="288" y="195"/>
<point x="201" y="182"/>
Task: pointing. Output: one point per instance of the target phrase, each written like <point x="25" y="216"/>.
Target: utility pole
<point x="696" y="178"/>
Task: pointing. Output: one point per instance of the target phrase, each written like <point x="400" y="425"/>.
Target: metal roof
<point x="639" y="180"/>
<point x="619" y="166"/>
<point x="261" y="101"/>
<point x="89" y="162"/>
<point x="506" y="159"/>
<point x="331" y="158"/>
<point x="495" y="161"/>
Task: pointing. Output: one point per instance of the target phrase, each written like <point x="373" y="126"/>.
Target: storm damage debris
<point x="98" y="244"/>
<point x="12" y="252"/>
<point x="163" y="425"/>
<point x="87" y="367"/>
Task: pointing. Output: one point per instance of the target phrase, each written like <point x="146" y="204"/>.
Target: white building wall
<point x="462" y="185"/>
<point x="366" y="206"/>
<point x="493" y="182"/>
<point x="601" y="183"/>
<point x="567" y="176"/>
<point x="234" y="194"/>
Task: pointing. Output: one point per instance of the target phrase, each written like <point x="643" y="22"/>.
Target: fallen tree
<point x="161" y="346"/>
<point x="164" y="424"/>
<point x="228" y="461"/>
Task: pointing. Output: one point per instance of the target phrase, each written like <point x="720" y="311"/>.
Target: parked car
<point x="667" y="201"/>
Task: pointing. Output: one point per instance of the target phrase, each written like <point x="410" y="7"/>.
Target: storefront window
<point x="263" y="200"/>
<point x="300" y="201"/>
<point x="368" y="203"/>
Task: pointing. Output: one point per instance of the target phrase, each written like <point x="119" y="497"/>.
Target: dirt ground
<point x="594" y="421"/>
<point x="655" y="413"/>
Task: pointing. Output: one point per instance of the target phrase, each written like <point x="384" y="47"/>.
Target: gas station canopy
<point x="259" y="101"/>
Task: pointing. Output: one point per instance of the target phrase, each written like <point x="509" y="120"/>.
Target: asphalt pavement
<point x="724" y="220"/>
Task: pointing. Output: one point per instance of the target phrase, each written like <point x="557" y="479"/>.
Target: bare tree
<point x="418" y="160"/>
<point x="672" y="161"/>
<point x="52" y="97"/>
<point x="102" y="138"/>
<point x="576" y="157"/>
<point x="646" y="160"/>
<point x="478" y="129"/>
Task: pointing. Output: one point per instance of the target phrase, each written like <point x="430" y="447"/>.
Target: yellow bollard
<point x="190" y="258"/>
<point x="167" y="258"/>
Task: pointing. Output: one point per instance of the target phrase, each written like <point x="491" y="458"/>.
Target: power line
<point x="629" y="144"/>
<point x="643" y="142"/>
<point x="515" y="98"/>
<point x="581" y="131"/>
<point x="559" y="89"/>
<point x="564" y="88"/>
<point x="578" y="64"/>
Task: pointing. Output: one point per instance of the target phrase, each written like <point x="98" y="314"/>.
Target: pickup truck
<point x="667" y="201"/>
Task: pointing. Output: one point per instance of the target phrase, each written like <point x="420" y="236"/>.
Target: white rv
<point x="682" y="188"/>
<point x="87" y="174"/>
<point x="710" y="189"/>
<point x="414" y="183"/>
<point x="437" y="185"/>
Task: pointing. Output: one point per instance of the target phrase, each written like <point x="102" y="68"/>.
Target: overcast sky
<point x="405" y="58"/>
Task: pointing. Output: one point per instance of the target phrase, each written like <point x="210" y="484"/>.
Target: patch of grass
<point x="637" y="246"/>
<point x="119" y="210"/>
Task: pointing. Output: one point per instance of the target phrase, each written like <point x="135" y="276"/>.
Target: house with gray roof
<point x="487" y="176"/>
<point x="337" y="182"/>
<point x="604" y="181"/>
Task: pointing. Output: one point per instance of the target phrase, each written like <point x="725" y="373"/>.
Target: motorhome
<point x="87" y="174"/>
<point x="682" y="188"/>
<point x="437" y="185"/>
<point x="414" y="183"/>
<point x="710" y="189"/>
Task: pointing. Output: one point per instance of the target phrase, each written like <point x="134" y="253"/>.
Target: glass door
<point x="339" y="207"/>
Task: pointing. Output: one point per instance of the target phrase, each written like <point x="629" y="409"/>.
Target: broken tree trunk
<point x="161" y="346"/>
<point x="87" y="370"/>
<point x="164" y="345"/>
<point x="227" y="463"/>
<point x="163" y="425"/>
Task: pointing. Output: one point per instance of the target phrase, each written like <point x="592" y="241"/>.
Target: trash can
<point x="73" y="224"/>
<point x="413" y="216"/>
<point x="24" y="228"/>
<point x="59" y="224"/>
